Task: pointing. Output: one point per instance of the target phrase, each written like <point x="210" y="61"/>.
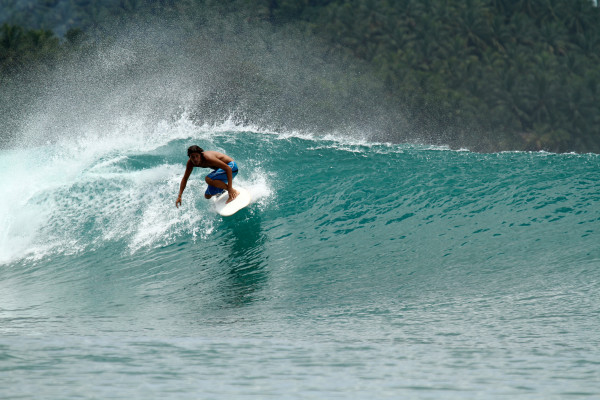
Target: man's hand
<point x="232" y="195"/>
<point x="178" y="202"/>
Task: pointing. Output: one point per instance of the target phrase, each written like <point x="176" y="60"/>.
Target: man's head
<point x="194" y="149"/>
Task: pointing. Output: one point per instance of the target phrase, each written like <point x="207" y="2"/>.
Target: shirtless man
<point x="221" y="179"/>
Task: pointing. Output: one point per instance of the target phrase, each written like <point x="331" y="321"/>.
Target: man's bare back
<point x="210" y="160"/>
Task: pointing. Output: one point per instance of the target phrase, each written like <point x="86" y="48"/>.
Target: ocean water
<point x="361" y="270"/>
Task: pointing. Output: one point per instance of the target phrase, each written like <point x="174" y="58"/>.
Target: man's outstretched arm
<point x="183" y="184"/>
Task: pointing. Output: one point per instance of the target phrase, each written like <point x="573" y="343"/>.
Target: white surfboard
<point x="227" y="209"/>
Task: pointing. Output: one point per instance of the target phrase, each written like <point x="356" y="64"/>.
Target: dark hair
<point x="194" y="149"/>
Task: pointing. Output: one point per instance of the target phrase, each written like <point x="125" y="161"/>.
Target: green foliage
<point x="21" y="49"/>
<point x="487" y="74"/>
<point x="519" y="74"/>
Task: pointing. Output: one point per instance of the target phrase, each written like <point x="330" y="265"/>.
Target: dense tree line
<point x="495" y="73"/>
<point x="22" y="50"/>
<point x="488" y="74"/>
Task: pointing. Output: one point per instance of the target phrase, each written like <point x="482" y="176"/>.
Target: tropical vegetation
<point x="485" y="74"/>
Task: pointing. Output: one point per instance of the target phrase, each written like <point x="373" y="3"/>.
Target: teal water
<point x="361" y="270"/>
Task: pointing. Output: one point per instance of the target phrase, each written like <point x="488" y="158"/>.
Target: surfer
<point x="221" y="179"/>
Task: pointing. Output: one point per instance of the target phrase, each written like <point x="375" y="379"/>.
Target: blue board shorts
<point x="221" y="175"/>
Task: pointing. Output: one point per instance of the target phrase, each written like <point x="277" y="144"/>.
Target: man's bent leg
<point x="216" y="183"/>
<point x="221" y="185"/>
<point x="213" y="188"/>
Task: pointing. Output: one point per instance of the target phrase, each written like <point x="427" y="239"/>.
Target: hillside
<point x="488" y="75"/>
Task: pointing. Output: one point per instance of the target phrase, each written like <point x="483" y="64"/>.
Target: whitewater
<point x="361" y="270"/>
